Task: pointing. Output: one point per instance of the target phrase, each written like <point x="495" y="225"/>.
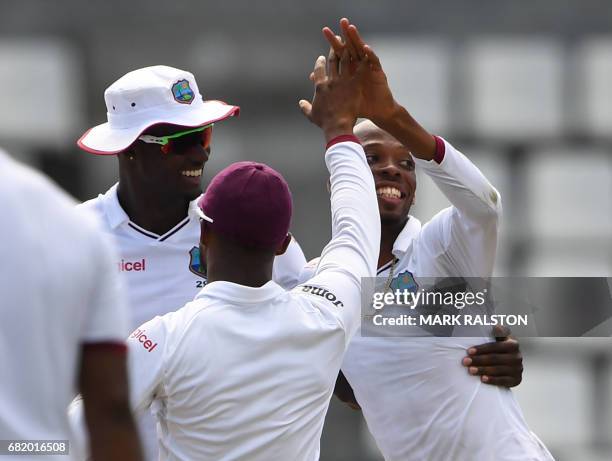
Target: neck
<point x="252" y="268"/>
<point x="389" y="232"/>
<point x="149" y="207"/>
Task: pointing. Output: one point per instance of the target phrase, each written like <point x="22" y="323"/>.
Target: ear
<point x="203" y="267"/>
<point x="128" y="154"/>
<point x="283" y="246"/>
<point x="204" y="233"/>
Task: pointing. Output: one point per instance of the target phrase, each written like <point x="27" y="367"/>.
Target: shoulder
<point x="93" y="205"/>
<point x="43" y="201"/>
<point x="317" y="293"/>
<point x="29" y="187"/>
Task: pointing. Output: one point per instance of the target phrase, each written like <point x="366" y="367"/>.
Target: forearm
<point x="112" y="433"/>
<point x="464" y="185"/>
<point x="355" y="220"/>
<point x="403" y="127"/>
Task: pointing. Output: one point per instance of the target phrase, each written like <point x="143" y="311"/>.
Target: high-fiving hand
<point x="377" y="102"/>
<point x="338" y="94"/>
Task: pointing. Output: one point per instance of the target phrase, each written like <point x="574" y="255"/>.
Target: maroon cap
<point x="250" y="203"/>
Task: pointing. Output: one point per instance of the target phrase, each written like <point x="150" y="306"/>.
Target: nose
<point x="198" y="153"/>
<point x="389" y="170"/>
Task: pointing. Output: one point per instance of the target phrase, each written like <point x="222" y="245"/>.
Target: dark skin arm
<point x="103" y="384"/>
<point x="497" y="363"/>
<point x="377" y="101"/>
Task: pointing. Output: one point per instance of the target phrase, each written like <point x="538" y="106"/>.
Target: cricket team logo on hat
<point x="182" y="92"/>
<point x="195" y="262"/>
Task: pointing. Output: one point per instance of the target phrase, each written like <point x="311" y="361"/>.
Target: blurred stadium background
<point x="523" y="88"/>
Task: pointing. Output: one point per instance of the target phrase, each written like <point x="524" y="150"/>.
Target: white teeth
<point x="389" y="192"/>
<point x="192" y="172"/>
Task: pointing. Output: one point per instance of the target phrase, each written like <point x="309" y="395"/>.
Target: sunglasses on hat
<point x="166" y="142"/>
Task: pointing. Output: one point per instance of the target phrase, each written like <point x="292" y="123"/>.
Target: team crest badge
<point x="195" y="265"/>
<point x="182" y="92"/>
<point x="404" y="282"/>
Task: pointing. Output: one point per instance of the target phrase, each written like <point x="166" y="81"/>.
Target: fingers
<point x="499" y="363"/>
<point x="501" y="332"/>
<point x="353" y="37"/>
<point x="508" y="345"/>
<point x="372" y="58"/>
<point x="319" y="70"/>
<point x="334" y="40"/>
<point x="332" y="63"/>
<point x="514" y="359"/>
<point x="350" y="46"/>
<point x="493" y="371"/>
<point x="502" y="381"/>
<point x="306" y="108"/>
<point x="345" y="61"/>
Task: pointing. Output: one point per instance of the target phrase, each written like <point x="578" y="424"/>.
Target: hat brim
<point x="104" y="140"/>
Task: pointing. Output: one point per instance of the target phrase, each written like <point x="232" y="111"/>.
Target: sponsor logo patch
<point x="182" y="92"/>
<point x="323" y="293"/>
<point x="132" y="266"/>
<point x="143" y="339"/>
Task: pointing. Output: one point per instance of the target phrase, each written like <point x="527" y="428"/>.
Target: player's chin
<point x="192" y="191"/>
<point x="391" y="206"/>
<point x="393" y="216"/>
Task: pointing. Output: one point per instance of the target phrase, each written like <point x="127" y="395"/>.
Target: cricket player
<point x="63" y="321"/>
<point x="160" y="129"/>
<point x="417" y="401"/>
<point x="246" y="370"/>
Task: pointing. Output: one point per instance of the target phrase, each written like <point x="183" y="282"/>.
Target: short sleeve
<point x="106" y="318"/>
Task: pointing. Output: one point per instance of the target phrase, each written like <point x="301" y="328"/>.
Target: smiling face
<point x="177" y="173"/>
<point x="393" y="169"/>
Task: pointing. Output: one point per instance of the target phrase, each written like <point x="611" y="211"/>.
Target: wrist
<point x="407" y="130"/>
<point x="391" y="115"/>
<point x="337" y="129"/>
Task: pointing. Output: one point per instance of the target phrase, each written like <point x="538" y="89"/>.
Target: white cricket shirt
<point x="245" y="373"/>
<point x="59" y="291"/>
<point x="162" y="272"/>
<point x="418" y="400"/>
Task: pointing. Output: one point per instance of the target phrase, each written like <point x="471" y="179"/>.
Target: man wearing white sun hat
<point x="160" y="129"/>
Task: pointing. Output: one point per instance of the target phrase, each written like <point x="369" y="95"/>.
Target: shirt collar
<point x="403" y="241"/>
<point x="112" y="208"/>
<point x="241" y="294"/>
<point x="193" y="207"/>
<point x="115" y="214"/>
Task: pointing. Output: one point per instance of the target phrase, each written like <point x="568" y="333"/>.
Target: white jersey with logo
<point x="245" y="373"/>
<point x="162" y="272"/>
<point x="59" y="292"/>
<point x="417" y="398"/>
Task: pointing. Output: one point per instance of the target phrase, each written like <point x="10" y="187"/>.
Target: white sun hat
<point x="146" y="97"/>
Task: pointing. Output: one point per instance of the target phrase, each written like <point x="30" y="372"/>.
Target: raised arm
<point x="353" y="250"/>
<point x="464" y="234"/>
<point x="462" y="239"/>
